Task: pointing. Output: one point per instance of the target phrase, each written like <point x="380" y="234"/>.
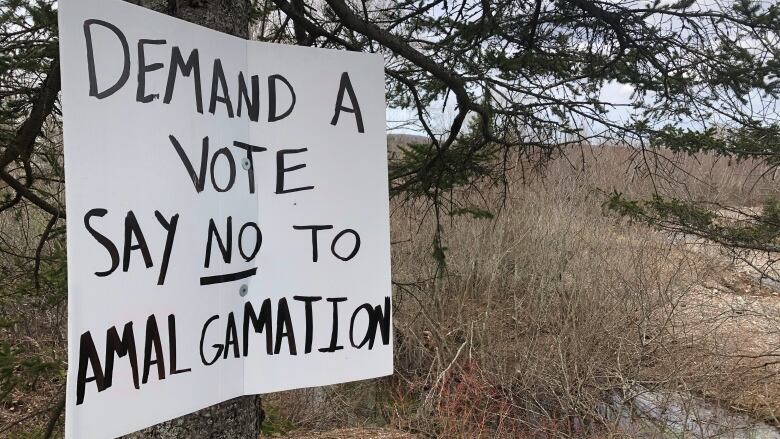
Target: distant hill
<point x="396" y="140"/>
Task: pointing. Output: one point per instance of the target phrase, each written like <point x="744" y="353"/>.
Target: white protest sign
<point x="227" y="205"/>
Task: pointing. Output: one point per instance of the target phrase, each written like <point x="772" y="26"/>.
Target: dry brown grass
<point x="547" y="318"/>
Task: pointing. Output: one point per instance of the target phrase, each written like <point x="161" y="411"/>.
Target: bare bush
<point x="557" y="319"/>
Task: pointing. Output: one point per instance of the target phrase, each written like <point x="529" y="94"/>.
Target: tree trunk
<point x="239" y="418"/>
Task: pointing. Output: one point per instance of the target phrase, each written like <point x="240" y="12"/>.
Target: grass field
<point x="558" y="319"/>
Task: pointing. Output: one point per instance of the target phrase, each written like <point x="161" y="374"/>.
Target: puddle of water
<point x="659" y="414"/>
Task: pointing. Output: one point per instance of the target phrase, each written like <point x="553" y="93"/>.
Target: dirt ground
<point x="352" y="433"/>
